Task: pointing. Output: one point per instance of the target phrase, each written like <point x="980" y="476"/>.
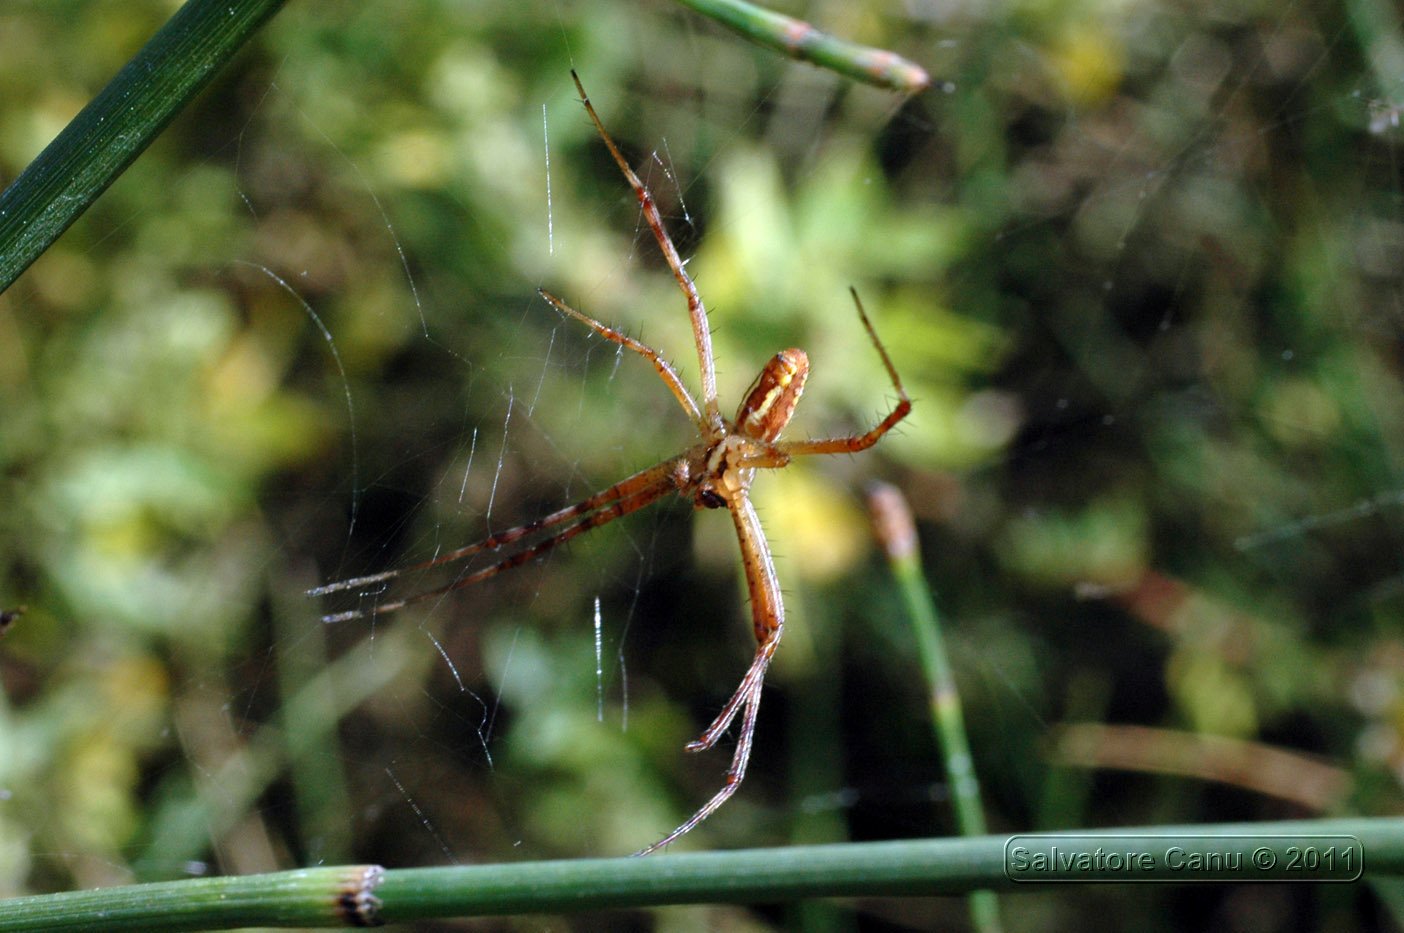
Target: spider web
<point x="1139" y="268"/>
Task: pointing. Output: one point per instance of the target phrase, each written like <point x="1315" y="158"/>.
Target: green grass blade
<point x="109" y="133"/>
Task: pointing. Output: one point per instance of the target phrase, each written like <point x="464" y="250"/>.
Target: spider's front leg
<point x="853" y="444"/>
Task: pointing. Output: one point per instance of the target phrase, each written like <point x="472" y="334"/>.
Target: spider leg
<point x="665" y="369"/>
<point x="701" y="331"/>
<point x="768" y="619"/>
<point x="747" y="695"/>
<point x="620" y="499"/>
<point x="734" y="776"/>
<point x="840" y="445"/>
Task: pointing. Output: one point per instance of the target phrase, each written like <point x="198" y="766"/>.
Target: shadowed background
<point x="1138" y="265"/>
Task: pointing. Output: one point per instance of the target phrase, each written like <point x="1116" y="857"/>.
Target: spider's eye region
<point x="711" y="499"/>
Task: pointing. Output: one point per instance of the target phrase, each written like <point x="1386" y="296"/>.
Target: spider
<point x="715" y="473"/>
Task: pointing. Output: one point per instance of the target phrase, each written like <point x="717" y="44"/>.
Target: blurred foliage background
<point x="1139" y="264"/>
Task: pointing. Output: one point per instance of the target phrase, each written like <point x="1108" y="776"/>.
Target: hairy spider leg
<point x="627" y="488"/>
<point x="624" y="497"/>
<point x="841" y="445"/>
<point x="768" y="618"/>
<point x="701" y="330"/>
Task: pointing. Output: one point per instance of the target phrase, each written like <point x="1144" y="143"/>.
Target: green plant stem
<point x="316" y="897"/>
<point x="896" y="530"/>
<point x="798" y="39"/>
<point x="109" y="133"/>
<point x="362" y="895"/>
<point x="898" y="534"/>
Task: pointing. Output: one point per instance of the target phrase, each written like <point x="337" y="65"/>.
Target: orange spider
<point x="715" y="473"/>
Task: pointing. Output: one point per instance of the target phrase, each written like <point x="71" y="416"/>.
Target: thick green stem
<point x="362" y="895"/>
<point x="317" y="897"/>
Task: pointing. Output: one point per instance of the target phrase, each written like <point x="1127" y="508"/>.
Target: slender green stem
<point x="119" y="124"/>
<point x="896" y="530"/>
<point x="364" y="895"/>
<point x="798" y="39"/>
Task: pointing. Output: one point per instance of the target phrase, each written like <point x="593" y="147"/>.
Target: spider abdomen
<point x="771" y="402"/>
